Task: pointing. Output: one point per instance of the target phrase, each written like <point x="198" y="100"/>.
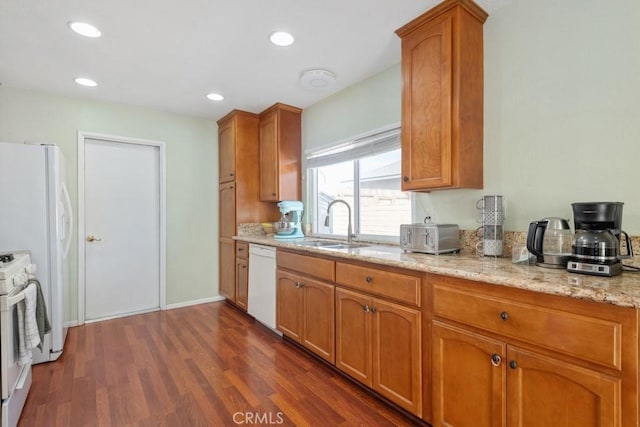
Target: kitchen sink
<point x="347" y="246"/>
<point x="317" y="244"/>
<point x="332" y="245"/>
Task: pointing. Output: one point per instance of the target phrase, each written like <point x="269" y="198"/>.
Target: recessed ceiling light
<point x="281" y="38"/>
<point x="84" y="29"/>
<point x="215" y="97"/>
<point x="85" y="81"/>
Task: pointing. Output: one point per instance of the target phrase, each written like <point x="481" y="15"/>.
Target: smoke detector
<point x="317" y="79"/>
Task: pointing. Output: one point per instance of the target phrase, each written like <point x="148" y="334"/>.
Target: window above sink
<point x="365" y="172"/>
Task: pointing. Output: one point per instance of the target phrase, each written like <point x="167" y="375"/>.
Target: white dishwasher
<point x="262" y="284"/>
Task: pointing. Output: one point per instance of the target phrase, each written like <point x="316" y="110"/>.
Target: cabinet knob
<point x="240" y="249"/>
<point x="405" y="178"/>
<point x="231" y="174"/>
<point x="369" y="279"/>
<point x="496" y="360"/>
<point x="299" y="285"/>
<point x="504" y="315"/>
<point x="365" y="308"/>
<point x="373" y="309"/>
<point x="513" y="364"/>
<point x="273" y="194"/>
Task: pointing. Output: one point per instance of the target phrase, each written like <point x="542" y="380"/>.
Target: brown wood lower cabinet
<point x="305" y="312"/>
<point x="546" y="391"/>
<point x="234" y="272"/>
<point x="460" y="353"/>
<point x="379" y="344"/>
<point x="227" y="269"/>
<point x="242" y="283"/>
<point x="242" y="275"/>
<point x="480" y="381"/>
<point x="494" y="364"/>
<point x="469" y="383"/>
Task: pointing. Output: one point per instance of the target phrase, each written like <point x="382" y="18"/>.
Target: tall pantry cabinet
<point x="238" y="156"/>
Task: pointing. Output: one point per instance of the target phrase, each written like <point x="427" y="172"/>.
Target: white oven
<point x="15" y="379"/>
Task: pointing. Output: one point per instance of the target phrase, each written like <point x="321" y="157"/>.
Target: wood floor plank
<point x="244" y="388"/>
<point x="103" y="410"/>
<point x="206" y="365"/>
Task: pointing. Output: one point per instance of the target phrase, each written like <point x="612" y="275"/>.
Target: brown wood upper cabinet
<point x="442" y="98"/>
<point x="226" y="150"/>
<point x="280" y="150"/>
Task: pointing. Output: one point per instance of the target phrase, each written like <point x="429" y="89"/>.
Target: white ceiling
<point x="168" y="54"/>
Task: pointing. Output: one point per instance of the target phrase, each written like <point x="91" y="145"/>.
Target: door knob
<point x="92" y="238"/>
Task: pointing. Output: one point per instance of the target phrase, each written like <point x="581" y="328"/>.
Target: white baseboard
<point x="74" y="323"/>
<point x="194" y="302"/>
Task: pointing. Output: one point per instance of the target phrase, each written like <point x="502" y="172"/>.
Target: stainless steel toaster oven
<point x="430" y="238"/>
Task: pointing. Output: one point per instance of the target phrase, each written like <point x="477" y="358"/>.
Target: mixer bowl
<point x="284" y="227"/>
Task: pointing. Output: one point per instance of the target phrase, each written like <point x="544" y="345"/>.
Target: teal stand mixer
<point x="290" y="224"/>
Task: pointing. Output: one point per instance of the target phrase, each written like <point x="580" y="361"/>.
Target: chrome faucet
<point x="350" y="234"/>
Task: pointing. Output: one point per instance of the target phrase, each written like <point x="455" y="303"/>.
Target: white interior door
<point x="122" y="228"/>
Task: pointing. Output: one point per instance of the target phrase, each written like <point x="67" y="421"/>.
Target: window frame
<point x="311" y="174"/>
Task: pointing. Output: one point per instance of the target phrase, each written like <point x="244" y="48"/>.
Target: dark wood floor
<point x="206" y="365"/>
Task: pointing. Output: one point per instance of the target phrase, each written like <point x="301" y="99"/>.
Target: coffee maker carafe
<point x="596" y="243"/>
<point x="550" y="241"/>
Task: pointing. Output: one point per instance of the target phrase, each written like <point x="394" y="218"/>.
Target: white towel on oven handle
<point x="28" y="336"/>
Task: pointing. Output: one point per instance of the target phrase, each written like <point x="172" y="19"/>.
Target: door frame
<point x="82" y="137"/>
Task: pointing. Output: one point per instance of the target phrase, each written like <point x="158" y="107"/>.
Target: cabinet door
<point x="469" y="378"/>
<point x="426" y="106"/>
<point x="318" y="318"/>
<point x="242" y="283"/>
<point x="226" y="151"/>
<point x="269" y="171"/>
<point x="397" y="354"/>
<point x="289" y="304"/>
<point x="227" y="269"/>
<point x="548" y="392"/>
<point x="227" y="220"/>
<point x="353" y="335"/>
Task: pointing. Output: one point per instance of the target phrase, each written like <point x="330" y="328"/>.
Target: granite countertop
<point x="623" y="290"/>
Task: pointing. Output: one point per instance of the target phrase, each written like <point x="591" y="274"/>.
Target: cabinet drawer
<point x="398" y="286"/>
<point x="588" y="338"/>
<point x="242" y="250"/>
<point x="310" y="265"/>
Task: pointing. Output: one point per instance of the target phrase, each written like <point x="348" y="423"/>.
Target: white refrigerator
<point x="35" y="214"/>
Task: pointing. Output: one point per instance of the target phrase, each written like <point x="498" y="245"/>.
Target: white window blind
<point x="370" y="145"/>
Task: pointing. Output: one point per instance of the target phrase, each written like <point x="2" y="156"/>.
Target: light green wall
<point x="192" y="165"/>
<point x="562" y="100"/>
<point x="365" y="106"/>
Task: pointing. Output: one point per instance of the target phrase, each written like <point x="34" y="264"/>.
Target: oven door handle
<point x="8" y="301"/>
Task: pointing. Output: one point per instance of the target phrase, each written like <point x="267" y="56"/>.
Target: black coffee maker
<point x="596" y="243"/>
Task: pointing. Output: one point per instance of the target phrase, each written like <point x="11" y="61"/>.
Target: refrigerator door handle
<point x="67" y="231"/>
